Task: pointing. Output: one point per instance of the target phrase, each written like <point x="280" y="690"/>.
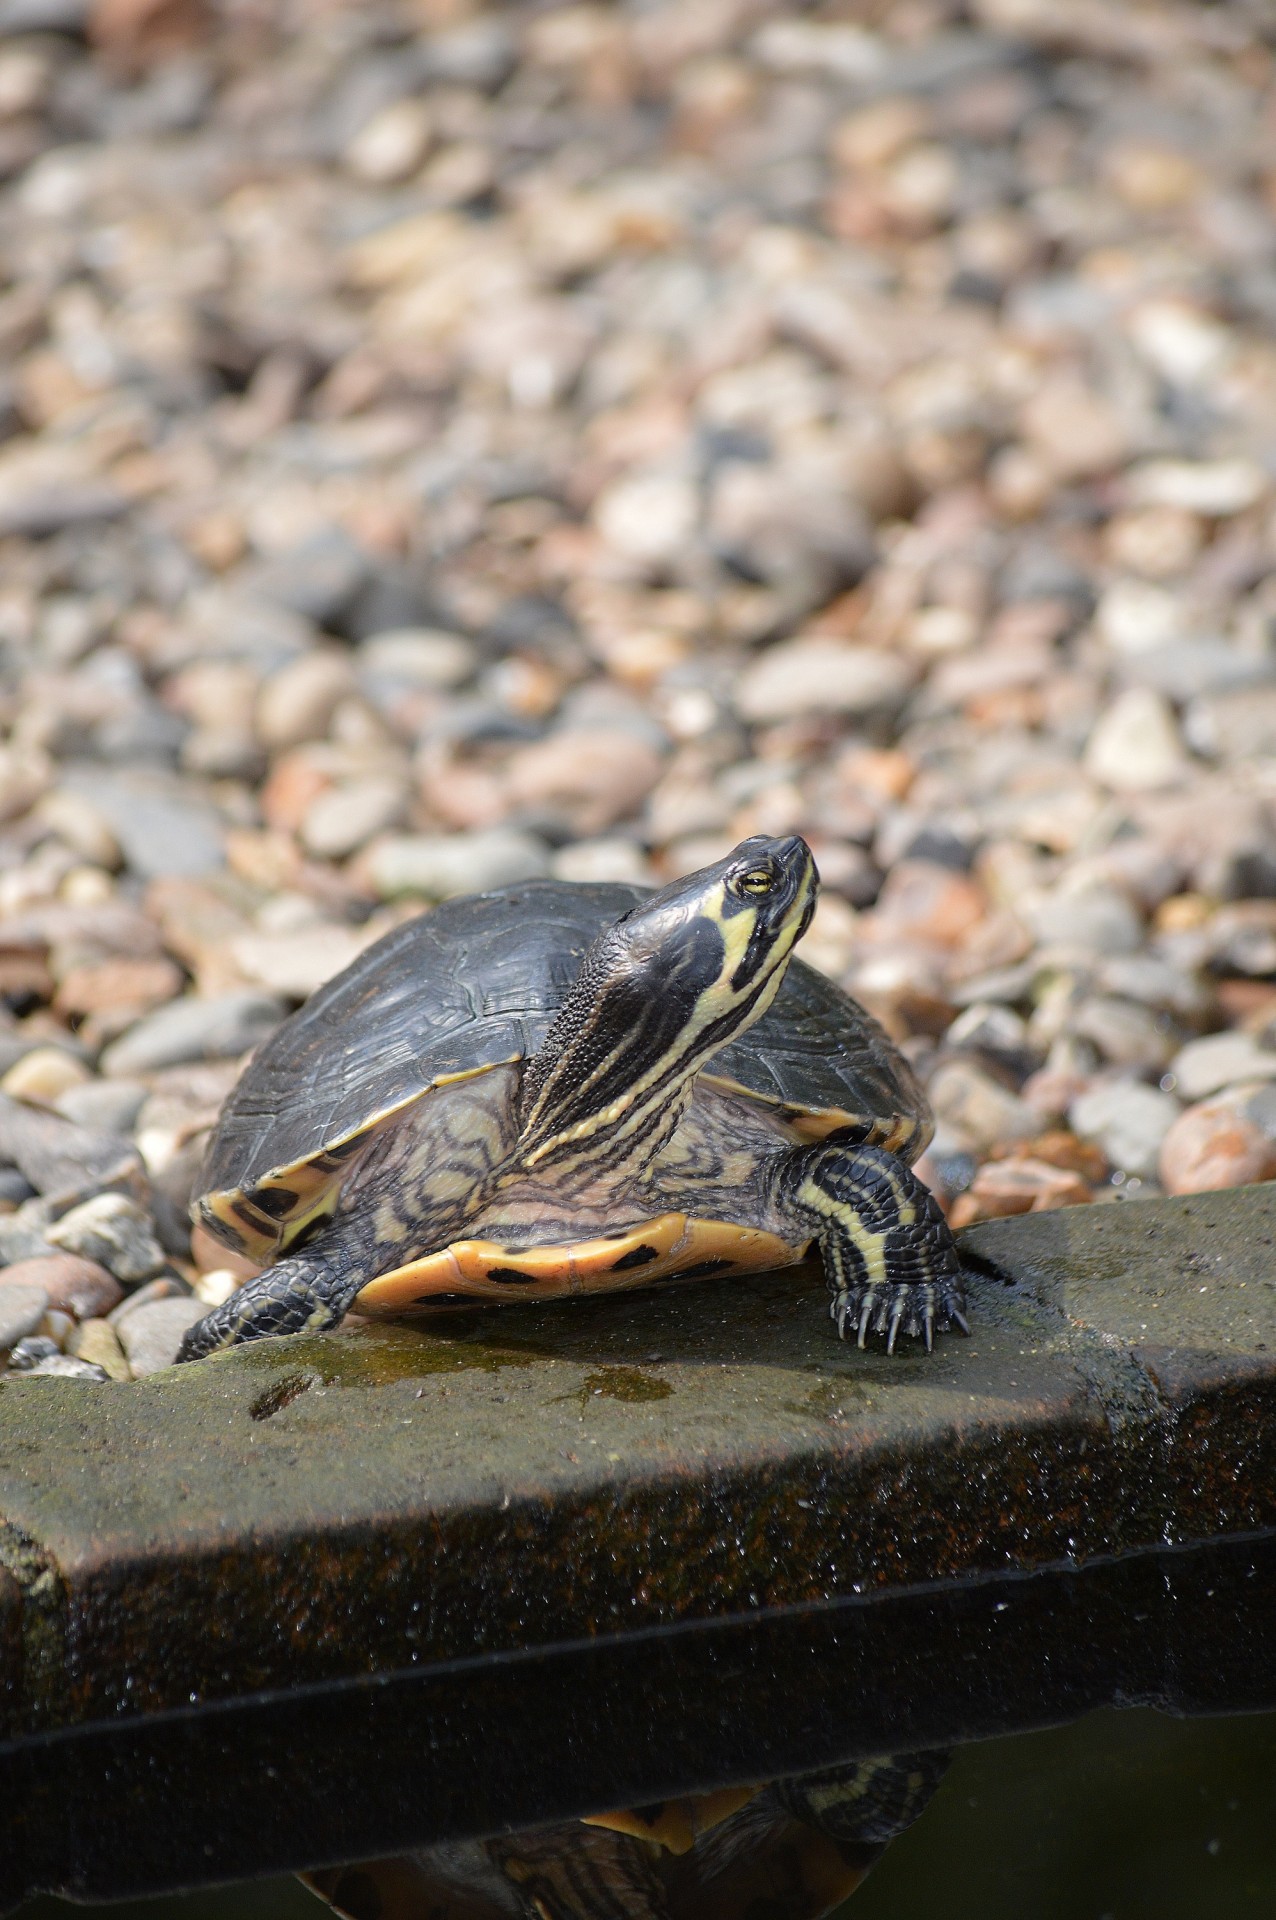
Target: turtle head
<point x="675" y="978"/>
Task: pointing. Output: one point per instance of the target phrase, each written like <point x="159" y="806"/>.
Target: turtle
<point x="559" y="1088"/>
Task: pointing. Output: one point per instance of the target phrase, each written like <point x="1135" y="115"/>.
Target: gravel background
<point x="443" y="444"/>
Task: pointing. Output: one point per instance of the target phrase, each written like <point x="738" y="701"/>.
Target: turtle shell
<point x="475" y="984"/>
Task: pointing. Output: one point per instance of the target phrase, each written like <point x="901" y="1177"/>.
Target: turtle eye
<point x="756" y="882"/>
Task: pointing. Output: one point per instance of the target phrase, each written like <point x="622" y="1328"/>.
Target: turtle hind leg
<point x="304" y="1293"/>
<point x="889" y="1258"/>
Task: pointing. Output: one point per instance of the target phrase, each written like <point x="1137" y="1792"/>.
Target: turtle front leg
<point x="303" y="1294"/>
<point x="889" y="1259"/>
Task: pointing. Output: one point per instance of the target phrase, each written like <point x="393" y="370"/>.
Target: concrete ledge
<point x="308" y="1511"/>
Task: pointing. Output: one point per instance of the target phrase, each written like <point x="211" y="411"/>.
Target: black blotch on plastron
<point x="636" y="1257"/>
<point x="509" y="1276"/>
<point x="719" y="1264"/>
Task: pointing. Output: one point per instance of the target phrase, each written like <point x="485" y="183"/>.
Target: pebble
<point x="161" y="826"/>
<point x="1214" y="1145"/>
<point x="108" y="1106"/>
<point x="97" y="1342"/>
<point x="585" y="780"/>
<point x="1095" y="917"/>
<point x="1127" y="1121"/>
<point x="1135" y="746"/>
<point x="20" y="1240"/>
<point x="1220" y="1060"/>
<point x="418" y="656"/>
<point x="606" y="859"/>
<point x="105" y="986"/>
<point x="64" y="1366"/>
<point x="1026" y="1185"/>
<point x="337" y="823"/>
<point x="391" y="145"/>
<point x="1125" y="1033"/>
<point x="70" y="1284"/>
<point x="987" y="1027"/>
<point x="30" y="1351"/>
<point x="77" y="822"/>
<point x="22" y="1308"/>
<point x="1134" y="617"/>
<point x="1233" y="725"/>
<point x="816" y="675"/>
<point x="224" y="1025"/>
<point x="56" y="1325"/>
<point x="151" y="1335"/>
<point x="649" y="518"/>
<point x="294" y="964"/>
<point x="162" y="1289"/>
<point x="922" y="900"/>
<point x="114" y="1231"/>
<point x="44" y="1075"/>
<point x="14" y="1187"/>
<point x="215" y="1286"/>
<point x="297" y="702"/>
<point x="443" y="865"/>
<point x="1078" y="435"/>
<point x="978" y="1107"/>
<point x="1213" y="487"/>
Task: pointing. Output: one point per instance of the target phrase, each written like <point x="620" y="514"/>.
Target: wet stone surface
<point x="382" y="1499"/>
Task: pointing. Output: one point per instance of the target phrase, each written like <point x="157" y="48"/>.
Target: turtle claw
<point x="920" y="1309"/>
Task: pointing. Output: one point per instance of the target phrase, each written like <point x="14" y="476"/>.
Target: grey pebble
<point x="151" y="1335"/>
<point x="22" y="1308"/>
<point x="19" y="1240"/>
<point x="1125" y="1033"/>
<point x="14" y="1186"/>
<point x="320" y="579"/>
<point x="29" y="1352"/>
<point x="63" y="1367"/>
<point x="441" y="865"/>
<point x="43" y="16"/>
<point x="108" y="1106"/>
<point x="116" y="1232"/>
<point x="1220" y="1060"/>
<point x="163" y="1289"/>
<point x="161" y="822"/>
<point x="1099" y="919"/>
<point x="1127" y="1121"/>
<point x="58" y="1157"/>
<point x="989" y="1028"/>
<point x="979" y="1108"/>
<point x="193" y="1029"/>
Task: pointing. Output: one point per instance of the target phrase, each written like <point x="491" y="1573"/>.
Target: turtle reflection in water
<point x="792" y="1850"/>
<point x="555" y="1089"/>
